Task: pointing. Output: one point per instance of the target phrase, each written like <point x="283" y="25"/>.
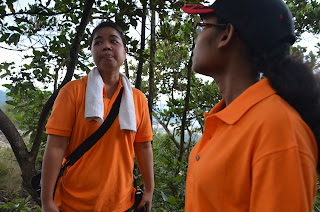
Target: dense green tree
<point x="306" y="13"/>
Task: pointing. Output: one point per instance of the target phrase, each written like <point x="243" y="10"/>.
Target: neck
<point x="234" y="81"/>
<point x="111" y="81"/>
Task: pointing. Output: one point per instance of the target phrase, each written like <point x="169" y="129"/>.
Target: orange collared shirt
<point x="255" y="155"/>
<point x="101" y="180"/>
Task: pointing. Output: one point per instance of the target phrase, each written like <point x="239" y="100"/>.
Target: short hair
<point x="107" y="24"/>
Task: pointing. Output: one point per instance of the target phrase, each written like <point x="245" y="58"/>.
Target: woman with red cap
<point x="259" y="148"/>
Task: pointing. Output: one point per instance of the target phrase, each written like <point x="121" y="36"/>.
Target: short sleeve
<point x="144" y="129"/>
<point x="63" y="113"/>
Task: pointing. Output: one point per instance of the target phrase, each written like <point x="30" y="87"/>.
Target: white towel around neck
<point x="94" y="107"/>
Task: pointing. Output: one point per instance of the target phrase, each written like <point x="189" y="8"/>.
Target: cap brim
<point x="196" y="9"/>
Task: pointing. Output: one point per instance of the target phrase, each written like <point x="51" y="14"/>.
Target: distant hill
<point x="2" y="97"/>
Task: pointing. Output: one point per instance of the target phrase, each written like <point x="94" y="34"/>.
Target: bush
<point x="10" y="174"/>
<point x="170" y="175"/>
<point x="12" y="196"/>
<point x="316" y="205"/>
<point x="21" y="205"/>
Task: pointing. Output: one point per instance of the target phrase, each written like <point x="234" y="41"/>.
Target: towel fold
<point x="94" y="107"/>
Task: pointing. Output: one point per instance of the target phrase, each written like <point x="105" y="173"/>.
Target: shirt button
<point x="210" y="137"/>
<point x="198" y="157"/>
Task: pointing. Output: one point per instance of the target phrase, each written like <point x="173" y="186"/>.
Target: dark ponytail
<point x="294" y="81"/>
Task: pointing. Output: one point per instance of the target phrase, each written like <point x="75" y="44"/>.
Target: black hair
<point x="107" y="24"/>
<point x="292" y="79"/>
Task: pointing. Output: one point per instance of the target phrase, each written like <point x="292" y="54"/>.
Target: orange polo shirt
<point x="256" y="155"/>
<point x="101" y="180"/>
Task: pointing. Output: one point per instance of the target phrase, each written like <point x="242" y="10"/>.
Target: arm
<point x="52" y="160"/>
<point x="144" y="154"/>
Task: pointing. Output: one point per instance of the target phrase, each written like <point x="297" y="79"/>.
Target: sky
<point x="309" y="40"/>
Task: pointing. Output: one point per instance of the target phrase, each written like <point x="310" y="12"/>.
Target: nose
<point x="107" y="46"/>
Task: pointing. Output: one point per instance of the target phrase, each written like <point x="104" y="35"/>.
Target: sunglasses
<point x="200" y="26"/>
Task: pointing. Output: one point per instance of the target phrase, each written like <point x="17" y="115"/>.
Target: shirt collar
<point x="236" y="109"/>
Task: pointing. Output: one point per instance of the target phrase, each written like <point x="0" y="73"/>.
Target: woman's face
<point x="107" y="49"/>
<point x="205" y="58"/>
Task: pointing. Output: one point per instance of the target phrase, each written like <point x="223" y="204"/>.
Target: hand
<point x="146" y="200"/>
<point x="49" y="207"/>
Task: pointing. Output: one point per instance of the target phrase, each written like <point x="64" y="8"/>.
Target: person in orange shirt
<point x="259" y="148"/>
<point x="102" y="179"/>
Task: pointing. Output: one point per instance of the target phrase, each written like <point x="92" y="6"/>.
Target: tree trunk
<point x="152" y="59"/>
<point x="25" y="159"/>
<point x="143" y="43"/>
<point x="126" y="68"/>
<point x="185" y="109"/>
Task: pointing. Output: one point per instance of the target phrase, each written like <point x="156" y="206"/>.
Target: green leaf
<point x="172" y="200"/>
<point x="179" y="178"/>
<point x="11" y="205"/>
<point x="4" y="37"/>
<point x="10" y="102"/>
<point x="164" y="197"/>
<point x="14" y="38"/>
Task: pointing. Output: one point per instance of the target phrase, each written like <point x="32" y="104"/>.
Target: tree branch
<point x="70" y="71"/>
<point x="18" y="50"/>
<point x="39" y="13"/>
<point x="13" y="136"/>
<point x="171" y="136"/>
<point x="185" y="108"/>
<point x="19" y="148"/>
<point x="142" y="46"/>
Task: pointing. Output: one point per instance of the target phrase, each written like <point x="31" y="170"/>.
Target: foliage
<point x="46" y="31"/>
<point x="316" y="205"/>
<point x="11" y="193"/>
<point x="309" y="58"/>
<point x="170" y="175"/>
<point x="27" y="102"/>
<point x="174" y="83"/>
<point x="20" y="205"/>
<point x="10" y="179"/>
<point x="9" y="111"/>
<point x="306" y="15"/>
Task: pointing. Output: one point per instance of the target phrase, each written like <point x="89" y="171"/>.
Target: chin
<point x="201" y="71"/>
<point x="195" y="68"/>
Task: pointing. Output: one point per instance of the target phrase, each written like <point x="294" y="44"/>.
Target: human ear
<point x="226" y="36"/>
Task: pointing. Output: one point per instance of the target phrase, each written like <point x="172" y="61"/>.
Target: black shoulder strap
<point x="92" y="139"/>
